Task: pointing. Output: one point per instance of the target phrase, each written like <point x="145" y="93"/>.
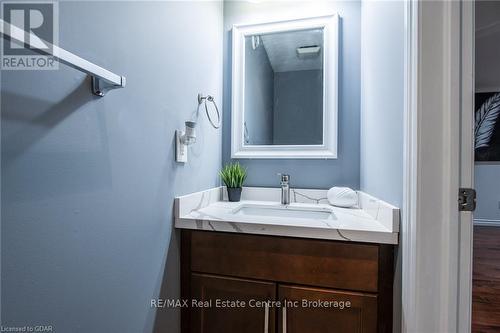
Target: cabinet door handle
<point x="283" y="319"/>
<point x="266" y="318"/>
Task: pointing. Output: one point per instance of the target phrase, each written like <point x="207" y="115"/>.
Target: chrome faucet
<point x="285" y="189"/>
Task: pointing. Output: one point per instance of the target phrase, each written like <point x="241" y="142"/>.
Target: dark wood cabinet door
<point x="314" y="310"/>
<point x="251" y="318"/>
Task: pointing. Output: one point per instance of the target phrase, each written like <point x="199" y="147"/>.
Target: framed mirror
<point x="284" y="89"/>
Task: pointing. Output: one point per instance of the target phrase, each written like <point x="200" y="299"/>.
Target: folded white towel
<point x="342" y="197"/>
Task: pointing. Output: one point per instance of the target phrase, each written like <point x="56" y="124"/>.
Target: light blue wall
<point x="305" y="173"/>
<point x="298" y="107"/>
<point x="259" y="94"/>
<point x="382" y="99"/>
<point x="382" y="112"/>
<point x="487" y="184"/>
<point x="88" y="183"/>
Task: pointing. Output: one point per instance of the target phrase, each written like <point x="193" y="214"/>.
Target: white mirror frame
<point x="327" y="150"/>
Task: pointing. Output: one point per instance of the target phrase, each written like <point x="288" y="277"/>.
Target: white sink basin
<point x="285" y="212"/>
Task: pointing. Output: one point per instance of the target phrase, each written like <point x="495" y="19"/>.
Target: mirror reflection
<point x="283" y="94"/>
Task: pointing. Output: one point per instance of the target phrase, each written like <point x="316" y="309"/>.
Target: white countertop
<point x="207" y="210"/>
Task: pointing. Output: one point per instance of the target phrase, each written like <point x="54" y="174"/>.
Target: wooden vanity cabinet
<point x="360" y="316"/>
<point x="232" y="315"/>
<point x="307" y="283"/>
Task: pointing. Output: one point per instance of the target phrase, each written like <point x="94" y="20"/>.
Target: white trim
<point x="410" y="172"/>
<point x="430" y="229"/>
<point x="328" y="149"/>
<point x="466" y="164"/>
<point x="487" y="222"/>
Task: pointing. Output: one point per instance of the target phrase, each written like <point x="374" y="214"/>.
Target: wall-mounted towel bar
<point x="102" y="79"/>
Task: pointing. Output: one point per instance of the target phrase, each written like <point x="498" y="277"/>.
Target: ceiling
<point x="282" y="47"/>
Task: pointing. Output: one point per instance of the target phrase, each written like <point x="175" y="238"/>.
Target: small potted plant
<point x="233" y="175"/>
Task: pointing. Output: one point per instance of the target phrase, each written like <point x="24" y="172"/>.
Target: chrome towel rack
<point x="102" y="79"/>
<point x="203" y="99"/>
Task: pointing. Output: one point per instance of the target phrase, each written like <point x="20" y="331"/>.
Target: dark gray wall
<point x="298" y="108"/>
<point x="305" y="173"/>
<point x="259" y="92"/>
<point x="487" y="47"/>
<point x="88" y="183"/>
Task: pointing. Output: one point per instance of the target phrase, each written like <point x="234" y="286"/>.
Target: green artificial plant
<point x="233" y="175"/>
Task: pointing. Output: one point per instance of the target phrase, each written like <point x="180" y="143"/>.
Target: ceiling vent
<point x="308" y="51"/>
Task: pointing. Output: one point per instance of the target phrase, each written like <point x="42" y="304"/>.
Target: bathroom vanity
<point x="285" y="260"/>
<point x="259" y="266"/>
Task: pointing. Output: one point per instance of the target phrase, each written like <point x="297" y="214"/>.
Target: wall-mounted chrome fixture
<point x="255" y="42"/>
<point x="204" y="99"/>
<point x="187" y="137"/>
<point x="102" y="79"/>
<point x="246" y="135"/>
<point x="183" y="139"/>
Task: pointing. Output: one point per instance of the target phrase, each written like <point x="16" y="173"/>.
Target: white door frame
<point x="435" y="238"/>
<point x="466" y="164"/>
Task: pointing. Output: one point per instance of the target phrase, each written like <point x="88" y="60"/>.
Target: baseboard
<point x="488" y="222"/>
